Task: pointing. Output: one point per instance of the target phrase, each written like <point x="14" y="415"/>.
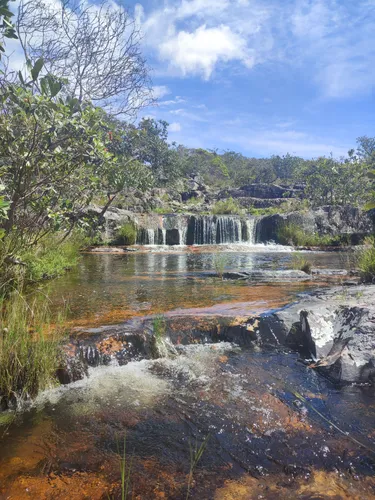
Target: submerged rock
<point x="267" y="276"/>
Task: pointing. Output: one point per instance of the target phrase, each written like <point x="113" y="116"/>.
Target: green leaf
<point x="20" y="76"/>
<point x="37" y="69"/>
<point x="370" y="205"/>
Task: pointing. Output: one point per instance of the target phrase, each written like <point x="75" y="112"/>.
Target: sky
<point x="261" y="77"/>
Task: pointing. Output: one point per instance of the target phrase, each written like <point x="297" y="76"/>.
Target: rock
<point x="262" y="191"/>
<point x="329" y="272"/>
<point x="327" y="316"/>
<point x="332" y="221"/>
<point x="267" y="276"/>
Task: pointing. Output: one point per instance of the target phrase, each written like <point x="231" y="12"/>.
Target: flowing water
<point x="264" y="441"/>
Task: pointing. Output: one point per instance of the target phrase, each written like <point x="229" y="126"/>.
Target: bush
<point x="300" y="263"/>
<point x="219" y="263"/>
<point x="30" y="352"/>
<point x="366" y="264"/>
<point x="291" y="234"/>
<point x="126" y="234"/>
<point x="49" y="258"/>
<point x="227" y="207"/>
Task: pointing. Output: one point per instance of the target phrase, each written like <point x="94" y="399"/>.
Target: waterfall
<point x="200" y="230"/>
<point x="211" y="230"/>
<point x="150" y="237"/>
<point x="251" y="231"/>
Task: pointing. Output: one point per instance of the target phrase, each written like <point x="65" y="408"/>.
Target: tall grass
<point x="292" y="234"/>
<point x="300" y="263"/>
<point x="126" y="234"/>
<point x="366" y="264"/>
<point x="195" y="456"/>
<point x="21" y="266"/>
<point x="219" y="263"/>
<point x="30" y="348"/>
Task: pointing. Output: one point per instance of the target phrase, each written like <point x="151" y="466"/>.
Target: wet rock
<point x="315" y="323"/>
<point x="72" y="369"/>
<point x="329" y="272"/>
<point x="267" y="276"/>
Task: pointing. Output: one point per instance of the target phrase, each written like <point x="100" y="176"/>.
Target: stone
<point x="328" y="315"/>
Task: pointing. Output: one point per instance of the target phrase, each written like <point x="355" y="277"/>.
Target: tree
<point x="95" y="47"/>
<point x="53" y="158"/>
<point x="148" y="143"/>
<point x="6" y="27"/>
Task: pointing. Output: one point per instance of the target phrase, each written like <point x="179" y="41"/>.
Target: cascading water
<point x="200" y="230"/>
<point x="251" y="231"/>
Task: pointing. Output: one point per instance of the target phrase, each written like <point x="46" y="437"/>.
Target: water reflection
<point x="108" y="288"/>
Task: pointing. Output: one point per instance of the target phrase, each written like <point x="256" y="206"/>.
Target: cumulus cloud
<point x="331" y="42"/>
<point x="199" y="51"/>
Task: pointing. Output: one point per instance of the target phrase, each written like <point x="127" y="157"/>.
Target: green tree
<point x="7" y="29"/>
<point x="52" y="157"/>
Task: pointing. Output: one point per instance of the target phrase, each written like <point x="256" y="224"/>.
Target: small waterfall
<point x="211" y="230"/>
<point x="251" y="231"/>
<point x="150" y="237"/>
<point x="200" y="230"/>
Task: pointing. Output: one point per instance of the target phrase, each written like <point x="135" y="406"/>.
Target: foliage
<point x="126" y="234"/>
<point x="7" y="29"/>
<point x="299" y="262"/>
<point x="50" y="258"/>
<point x="228" y="206"/>
<point x="335" y="182"/>
<point x="292" y="234"/>
<point x="52" y="159"/>
<point x="219" y="263"/>
<point x="29" y="348"/>
<point x="366" y="264"/>
<point x="148" y="144"/>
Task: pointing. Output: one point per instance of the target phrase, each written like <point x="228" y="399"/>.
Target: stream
<point x="269" y="428"/>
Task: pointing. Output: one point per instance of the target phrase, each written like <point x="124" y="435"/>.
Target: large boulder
<point x="327" y="220"/>
<point x="316" y="322"/>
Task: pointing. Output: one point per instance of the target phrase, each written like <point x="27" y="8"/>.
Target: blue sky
<point x="262" y="76"/>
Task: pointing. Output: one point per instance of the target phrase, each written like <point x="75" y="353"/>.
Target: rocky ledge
<point x="319" y="323"/>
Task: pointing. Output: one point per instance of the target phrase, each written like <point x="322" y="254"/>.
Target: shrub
<point x="300" y="263"/>
<point x="30" y="352"/>
<point x="126" y="234"/>
<point x="227" y="207"/>
<point x="292" y="234"/>
<point x="50" y="258"/>
<point x="219" y="263"/>
<point x="366" y="264"/>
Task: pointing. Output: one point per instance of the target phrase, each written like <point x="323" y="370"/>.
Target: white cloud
<point x="160" y="91"/>
<point x="329" y="42"/>
<point x="172" y="102"/>
<point x="174" y="127"/>
<point x="198" y="52"/>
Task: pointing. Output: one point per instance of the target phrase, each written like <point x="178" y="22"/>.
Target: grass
<point x="195" y="456"/>
<point x="159" y="328"/>
<point x="227" y="207"/>
<point x="126" y="234"/>
<point x="366" y="264"/>
<point x="219" y="263"/>
<point x="30" y="348"/>
<point x="300" y="263"/>
<point x="292" y="234"/>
